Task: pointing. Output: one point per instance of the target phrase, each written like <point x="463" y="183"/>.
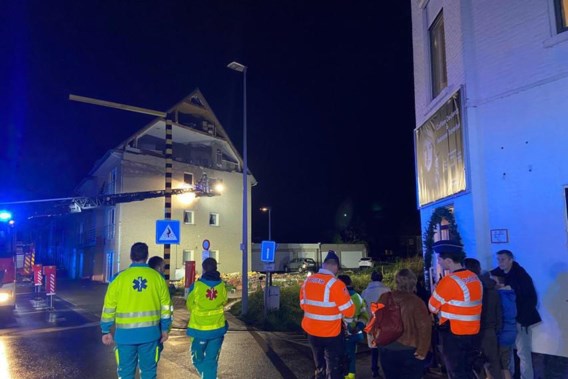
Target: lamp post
<point x="244" y="245"/>
<point x="269" y="210"/>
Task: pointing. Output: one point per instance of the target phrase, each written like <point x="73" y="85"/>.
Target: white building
<point x="200" y="146"/>
<point x="491" y="93"/>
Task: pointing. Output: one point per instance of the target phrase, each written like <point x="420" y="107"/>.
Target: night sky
<point x="330" y="94"/>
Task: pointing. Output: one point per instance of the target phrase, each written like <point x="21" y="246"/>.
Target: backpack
<point x="385" y="326"/>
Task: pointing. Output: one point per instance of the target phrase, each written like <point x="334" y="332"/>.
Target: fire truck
<point x="7" y="262"/>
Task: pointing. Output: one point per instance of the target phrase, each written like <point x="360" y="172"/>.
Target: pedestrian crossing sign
<point x="167" y="232"/>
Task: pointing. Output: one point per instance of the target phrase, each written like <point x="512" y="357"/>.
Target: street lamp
<point x="244" y="245"/>
<point x="269" y="210"/>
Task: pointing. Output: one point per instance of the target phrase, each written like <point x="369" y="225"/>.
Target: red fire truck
<point x="7" y="262"/>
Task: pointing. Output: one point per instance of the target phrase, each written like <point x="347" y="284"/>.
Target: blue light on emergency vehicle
<point x="5" y="216"/>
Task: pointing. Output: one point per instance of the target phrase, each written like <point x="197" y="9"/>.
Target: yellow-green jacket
<point x="205" y="302"/>
<point x="137" y="302"/>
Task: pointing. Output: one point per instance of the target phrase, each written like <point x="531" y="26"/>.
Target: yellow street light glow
<point x="219" y="187"/>
<point x="187" y="198"/>
<point x="4" y="297"/>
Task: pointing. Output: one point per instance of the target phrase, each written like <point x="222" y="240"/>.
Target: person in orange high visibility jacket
<point x="457" y="301"/>
<point x="325" y="301"/>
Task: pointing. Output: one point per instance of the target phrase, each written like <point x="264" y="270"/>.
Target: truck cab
<point x="7" y="266"/>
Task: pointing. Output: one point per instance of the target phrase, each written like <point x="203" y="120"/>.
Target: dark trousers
<point x="490" y="350"/>
<point x="328" y="354"/>
<point x="458" y="352"/>
<point x="375" y="361"/>
<point x="401" y="364"/>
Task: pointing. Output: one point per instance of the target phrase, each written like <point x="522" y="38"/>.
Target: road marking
<point x="16" y="332"/>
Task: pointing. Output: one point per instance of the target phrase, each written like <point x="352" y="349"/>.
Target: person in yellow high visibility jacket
<point x="137" y="304"/>
<point x="207" y="325"/>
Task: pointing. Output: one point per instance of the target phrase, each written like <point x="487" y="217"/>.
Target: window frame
<point x="216" y="219"/>
<point x="190" y="174"/>
<point x="186" y="212"/>
<point x="438" y="83"/>
<point x="561" y="16"/>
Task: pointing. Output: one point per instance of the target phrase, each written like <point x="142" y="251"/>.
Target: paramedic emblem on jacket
<point x="139" y="284"/>
<point x="211" y="294"/>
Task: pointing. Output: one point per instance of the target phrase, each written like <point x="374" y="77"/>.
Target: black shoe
<point x="375" y="374"/>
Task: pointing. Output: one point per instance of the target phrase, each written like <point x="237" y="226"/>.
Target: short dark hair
<point x="406" y="280"/>
<point x="155" y="261"/>
<point x="209" y="265"/>
<point x="508" y="253"/>
<point x="139" y="252"/>
<point x="345" y="279"/>
<point x="376" y="276"/>
<point x="472" y="265"/>
<point x="457" y="257"/>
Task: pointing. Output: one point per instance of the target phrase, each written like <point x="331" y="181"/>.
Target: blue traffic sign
<point x="167" y="232"/>
<point x="267" y="250"/>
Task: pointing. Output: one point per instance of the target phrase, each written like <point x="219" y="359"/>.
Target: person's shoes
<point x="375" y="374"/>
<point x="351" y="375"/>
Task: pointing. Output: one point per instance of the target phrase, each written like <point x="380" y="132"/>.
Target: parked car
<point x="366" y="262"/>
<point x="301" y="265"/>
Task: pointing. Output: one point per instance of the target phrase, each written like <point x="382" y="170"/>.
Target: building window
<point x="188" y="255"/>
<point x="561" y="10"/>
<point x="111" y="184"/>
<point x="110" y="224"/>
<point x="214" y="254"/>
<point x="213" y="219"/>
<point x="188" y="178"/>
<point x="438" y="55"/>
<point x="188" y="217"/>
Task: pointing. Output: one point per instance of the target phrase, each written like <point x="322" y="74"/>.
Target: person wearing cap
<point x="457" y="301"/>
<point x="325" y="301"/>
<point x="207" y="325"/>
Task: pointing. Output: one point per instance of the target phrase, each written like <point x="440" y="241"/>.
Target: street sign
<point x="267" y="250"/>
<point x="167" y="232"/>
<point x="38" y="276"/>
<point x="49" y="280"/>
<point x="206" y="244"/>
<point x="269" y="266"/>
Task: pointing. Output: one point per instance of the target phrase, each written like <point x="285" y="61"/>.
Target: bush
<point x="289" y="316"/>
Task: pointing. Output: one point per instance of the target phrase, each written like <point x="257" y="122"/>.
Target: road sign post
<point x="205" y="253"/>
<point x="267" y="254"/>
<point x="50" y="283"/>
<point x="38" y="278"/>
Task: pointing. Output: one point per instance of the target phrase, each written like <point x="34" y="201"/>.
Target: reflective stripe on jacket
<point x="458" y="298"/>
<point x="325" y="301"/>
<point x="205" y="303"/>
<point x="138" y="303"/>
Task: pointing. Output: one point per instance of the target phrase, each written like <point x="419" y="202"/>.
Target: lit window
<point x="188" y="217"/>
<point x="561" y="10"/>
<point x="214" y="219"/>
<point x="438" y="55"/>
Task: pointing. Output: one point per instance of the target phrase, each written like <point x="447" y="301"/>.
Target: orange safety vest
<point x="325" y="300"/>
<point x="457" y="299"/>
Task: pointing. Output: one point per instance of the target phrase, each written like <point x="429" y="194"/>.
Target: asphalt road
<point x="36" y="342"/>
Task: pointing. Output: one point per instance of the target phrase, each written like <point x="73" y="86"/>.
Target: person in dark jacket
<point x="527" y="314"/>
<point x="491" y="320"/>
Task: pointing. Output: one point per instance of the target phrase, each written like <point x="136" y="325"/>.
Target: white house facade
<point x="201" y="151"/>
<point x="491" y="85"/>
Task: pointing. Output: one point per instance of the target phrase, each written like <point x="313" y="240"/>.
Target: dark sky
<point x="330" y="95"/>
